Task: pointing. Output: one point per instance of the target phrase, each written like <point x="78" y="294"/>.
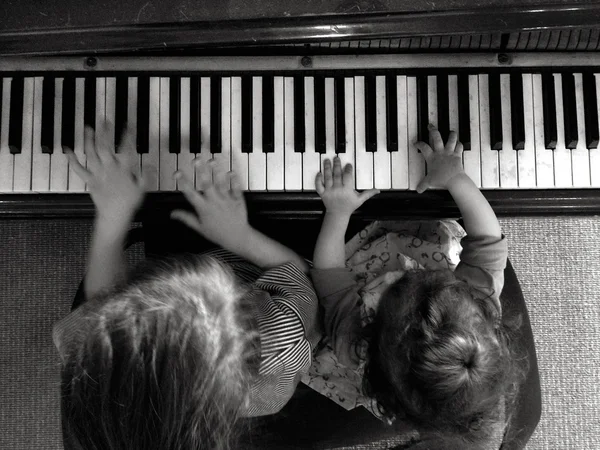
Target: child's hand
<point x="220" y="212"/>
<point x="443" y="162"/>
<point x="336" y="188"/>
<point x="116" y="190"/>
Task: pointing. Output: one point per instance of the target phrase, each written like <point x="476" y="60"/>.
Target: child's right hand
<point x="336" y="188"/>
<point x="443" y="162"/>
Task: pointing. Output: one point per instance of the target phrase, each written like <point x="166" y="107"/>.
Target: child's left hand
<point x="336" y="188"/>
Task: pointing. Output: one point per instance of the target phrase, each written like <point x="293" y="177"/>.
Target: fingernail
<point x="430" y="126"/>
<point x="177" y="174"/>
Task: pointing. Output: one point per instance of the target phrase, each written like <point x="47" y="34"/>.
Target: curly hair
<point x="439" y="355"/>
<point x="160" y="363"/>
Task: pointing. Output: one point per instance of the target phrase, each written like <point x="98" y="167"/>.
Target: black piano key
<point x="299" y="119"/>
<point x="195" y="99"/>
<point x="391" y="107"/>
<point x="268" y="111"/>
<point x="570" y="110"/>
<point x="549" y="101"/>
<point x="371" y="113"/>
<point x="590" y="105"/>
<point x="517" y="114"/>
<point x="215" y="114"/>
<point x="121" y="104"/>
<point x="464" y="111"/>
<point x="443" y="121"/>
<point x="89" y="107"/>
<point x="175" y="115"/>
<point x="143" y="114"/>
<point x="320" y="143"/>
<point x="68" y="113"/>
<point x="340" y="115"/>
<point x="422" y="108"/>
<point x="495" y="112"/>
<point x="15" y="125"/>
<point x="247" y="114"/>
<point x="48" y="94"/>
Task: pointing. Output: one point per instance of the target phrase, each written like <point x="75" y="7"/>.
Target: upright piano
<point x="269" y="89"/>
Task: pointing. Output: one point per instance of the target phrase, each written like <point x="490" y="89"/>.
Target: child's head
<point x="439" y="355"/>
<point x="161" y="362"/>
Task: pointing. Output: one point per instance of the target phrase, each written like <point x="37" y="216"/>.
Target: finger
<point x="127" y="154"/>
<point x="81" y="171"/>
<point x="451" y="143"/>
<point x="319" y="185"/>
<point x="187" y="187"/>
<point x="366" y="195"/>
<point x="435" y="138"/>
<point x="221" y="183"/>
<point x="423" y="185"/>
<point x="327" y="173"/>
<point x="104" y="146"/>
<point x="203" y="173"/>
<point x="89" y="145"/>
<point x="424" y="148"/>
<point x="459" y="148"/>
<point x="236" y="187"/>
<point x="187" y="218"/>
<point x="337" y="171"/>
<point x="348" y="175"/>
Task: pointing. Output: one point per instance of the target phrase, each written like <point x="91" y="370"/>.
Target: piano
<point x="270" y="90"/>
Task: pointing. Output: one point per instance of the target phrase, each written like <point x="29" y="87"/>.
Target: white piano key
<point x="293" y="159"/>
<point x="311" y="160"/>
<point x="329" y="121"/>
<point x="544" y="160"/>
<point x="239" y="159"/>
<point x="185" y="156"/>
<point x="257" y="160"/>
<point x="275" y="168"/>
<point x="109" y="109"/>
<point x="100" y="103"/>
<point x="132" y="93"/>
<point x="416" y="162"/>
<point x="364" y="159"/>
<point x="40" y="165"/>
<point x="507" y="162"/>
<point x="432" y="99"/>
<point x="6" y="158"/>
<point x="22" y="174"/>
<point x="453" y="103"/>
<point x="168" y="161"/>
<point x="526" y="156"/>
<point x="348" y="157"/>
<point x="223" y="159"/>
<point x="490" y="177"/>
<point x="205" y="122"/>
<point x="595" y="152"/>
<point x="76" y="184"/>
<point x="562" y="156"/>
<point x="151" y="159"/>
<point x="399" y="159"/>
<point x="59" y="165"/>
<point x="472" y="158"/>
<point x="382" y="177"/>
<point x="580" y="155"/>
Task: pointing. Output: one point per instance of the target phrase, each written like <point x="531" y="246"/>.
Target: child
<point x="430" y="342"/>
<point x="170" y="357"/>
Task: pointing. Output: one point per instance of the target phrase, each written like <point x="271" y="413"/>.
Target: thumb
<point x="366" y="195"/>
<point x="187" y="218"/>
<point x="423" y="185"/>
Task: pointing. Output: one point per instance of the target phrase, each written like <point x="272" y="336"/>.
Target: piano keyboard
<point x="522" y="129"/>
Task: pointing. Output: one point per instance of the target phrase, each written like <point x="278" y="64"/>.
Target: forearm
<point x="330" y="246"/>
<point x="478" y="216"/>
<point x="106" y="261"/>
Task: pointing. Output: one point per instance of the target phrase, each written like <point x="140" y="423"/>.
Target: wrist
<point x="338" y="216"/>
<point x="116" y="228"/>
<point x="457" y="179"/>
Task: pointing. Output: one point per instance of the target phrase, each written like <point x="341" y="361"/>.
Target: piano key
<point x="490" y="176"/>
<point x="570" y="110"/>
<point x="399" y="158"/>
<point x="340" y="115"/>
<point x="442" y="106"/>
<point x="422" y="98"/>
<point x="549" y="116"/>
<point x="223" y="157"/>
<point x="194" y="123"/>
<point x="544" y="159"/>
<point x="239" y="159"/>
<point x="416" y="162"/>
<point x="185" y="156"/>
<point x="391" y="119"/>
<point x="526" y="157"/>
<point x="580" y="155"/>
<point x="472" y="158"/>
<point x="75" y="183"/>
<point x="507" y="157"/>
<point x="40" y="164"/>
<point x="15" y="128"/>
<point x="246" y="113"/>
<point x="432" y="103"/>
<point x="319" y="109"/>
<point x="363" y="158"/>
<point x="23" y="158"/>
<point x="329" y="120"/>
<point x="516" y="112"/>
<point x="48" y="97"/>
<point x="292" y="158"/>
<point x="595" y="153"/>
<point x="89" y="117"/>
<point x="257" y="160"/>
<point x="562" y="156"/>
<point x="167" y="164"/>
<point x="382" y="176"/>
<point x="6" y="157"/>
<point x="299" y="114"/>
<point x="143" y="114"/>
<point x="268" y="133"/>
<point x="311" y="159"/>
<point x="59" y="166"/>
<point x="68" y="112"/>
<point x="349" y="155"/>
<point x="110" y="110"/>
<point x="464" y="109"/>
<point x="174" y="114"/>
<point x="215" y="114"/>
<point x="590" y="104"/>
<point x="151" y="159"/>
<point x="371" y="113"/>
<point x="453" y="123"/>
<point x="121" y="107"/>
<point x="203" y="153"/>
<point x="495" y="111"/>
<point x="132" y="120"/>
<point x="275" y="159"/>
